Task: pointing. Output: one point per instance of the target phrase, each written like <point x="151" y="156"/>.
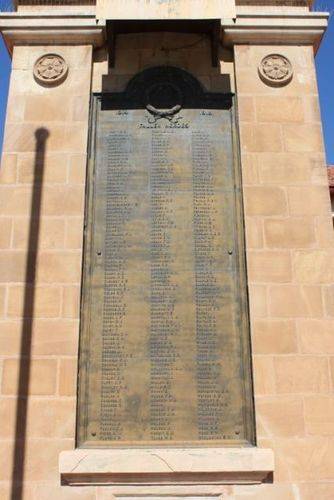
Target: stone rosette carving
<point x="275" y="70"/>
<point x="50" y="69"/>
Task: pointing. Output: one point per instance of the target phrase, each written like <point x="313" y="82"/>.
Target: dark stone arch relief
<point x="166" y="86"/>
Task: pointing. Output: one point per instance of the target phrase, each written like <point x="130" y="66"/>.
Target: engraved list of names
<point x="166" y="351"/>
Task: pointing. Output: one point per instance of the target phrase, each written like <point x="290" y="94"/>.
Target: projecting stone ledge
<point x="162" y="465"/>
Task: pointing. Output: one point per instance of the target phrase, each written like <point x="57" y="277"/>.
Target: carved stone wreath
<point x="50" y="69"/>
<point x="275" y="70"/>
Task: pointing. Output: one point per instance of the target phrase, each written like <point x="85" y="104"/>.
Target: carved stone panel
<point x="50" y="69"/>
<point x="166" y="9"/>
<point x="275" y="70"/>
<point x="164" y="349"/>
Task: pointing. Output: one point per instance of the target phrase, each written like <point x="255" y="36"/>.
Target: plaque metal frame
<point x="135" y="97"/>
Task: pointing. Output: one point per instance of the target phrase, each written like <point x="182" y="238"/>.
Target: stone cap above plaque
<point x="176" y="466"/>
<point x="165" y="9"/>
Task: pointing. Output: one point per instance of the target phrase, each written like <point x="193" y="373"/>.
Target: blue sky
<point x="324" y="64"/>
<point x="4" y="78"/>
<point x="325" y="72"/>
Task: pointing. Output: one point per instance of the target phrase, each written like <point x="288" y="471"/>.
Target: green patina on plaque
<point x="164" y="355"/>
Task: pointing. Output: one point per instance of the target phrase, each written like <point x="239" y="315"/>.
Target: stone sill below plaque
<point x="166" y="466"/>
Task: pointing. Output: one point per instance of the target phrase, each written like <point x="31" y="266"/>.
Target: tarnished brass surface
<point x="164" y="349"/>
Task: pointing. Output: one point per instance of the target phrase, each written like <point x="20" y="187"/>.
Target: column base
<point x="172" y="470"/>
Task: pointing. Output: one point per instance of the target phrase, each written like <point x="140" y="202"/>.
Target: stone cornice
<point x="92" y="2"/>
<point x="39" y="29"/>
<point x="275" y="3"/>
<point x="271" y="29"/>
<point x="54" y="3"/>
<point x="79" y="28"/>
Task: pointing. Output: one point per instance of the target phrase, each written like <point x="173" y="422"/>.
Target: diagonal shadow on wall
<point x="41" y="136"/>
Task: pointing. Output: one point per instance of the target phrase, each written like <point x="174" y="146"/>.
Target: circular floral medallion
<point x="50" y="69"/>
<point x="275" y="70"/>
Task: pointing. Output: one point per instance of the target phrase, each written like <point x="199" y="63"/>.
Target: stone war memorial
<point x="166" y="253"/>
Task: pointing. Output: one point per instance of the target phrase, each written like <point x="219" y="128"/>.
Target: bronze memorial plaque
<point x="164" y="355"/>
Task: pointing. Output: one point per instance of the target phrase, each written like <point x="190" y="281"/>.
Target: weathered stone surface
<point x="291" y="329"/>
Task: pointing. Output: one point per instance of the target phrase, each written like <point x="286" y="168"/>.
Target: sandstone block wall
<point x="289" y="241"/>
<point x="41" y="220"/>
